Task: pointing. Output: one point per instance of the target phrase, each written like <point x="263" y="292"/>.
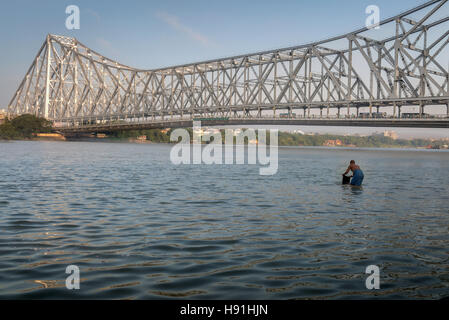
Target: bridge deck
<point x="184" y="123"/>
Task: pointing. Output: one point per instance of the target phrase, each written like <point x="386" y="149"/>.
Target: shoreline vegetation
<point x="29" y="127"/>
<point x="24" y="127"/>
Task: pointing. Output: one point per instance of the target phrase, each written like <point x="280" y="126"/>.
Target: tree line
<point x="24" y="127"/>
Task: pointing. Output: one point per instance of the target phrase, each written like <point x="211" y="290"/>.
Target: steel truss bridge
<point x="346" y="80"/>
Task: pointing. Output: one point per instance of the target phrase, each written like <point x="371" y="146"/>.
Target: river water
<point x="139" y="227"/>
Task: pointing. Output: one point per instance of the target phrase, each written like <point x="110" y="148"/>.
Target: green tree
<point x="28" y="124"/>
<point x="7" y="131"/>
<point x="24" y="126"/>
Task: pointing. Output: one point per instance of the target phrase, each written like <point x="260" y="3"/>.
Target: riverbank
<point x="26" y="127"/>
<point x="29" y="127"/>
<point x="287" y="139"/>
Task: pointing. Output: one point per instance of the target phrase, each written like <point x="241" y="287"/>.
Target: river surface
<point x="139" y="227"/>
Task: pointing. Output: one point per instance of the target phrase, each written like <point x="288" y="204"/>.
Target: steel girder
<point x="403" y="63"/>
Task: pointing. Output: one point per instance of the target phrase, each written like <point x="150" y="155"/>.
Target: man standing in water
<point x="357" y="174"/>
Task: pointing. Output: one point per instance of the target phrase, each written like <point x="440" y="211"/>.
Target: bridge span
<point x="186" y="123"/>
<point x="369" y="77"/>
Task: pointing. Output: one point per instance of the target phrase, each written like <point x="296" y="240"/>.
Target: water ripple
<point x="141" y="228"/>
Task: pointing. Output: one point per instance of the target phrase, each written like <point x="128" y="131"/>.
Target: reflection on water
<point x="139" y="227"/>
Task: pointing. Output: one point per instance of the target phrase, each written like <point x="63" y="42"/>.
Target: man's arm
<point x="347" y="170"/>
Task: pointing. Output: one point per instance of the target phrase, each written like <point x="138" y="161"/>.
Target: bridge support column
<point x="305" y="113"/>
<point x="338" y="112"/>
<point x="447" y="108"/>
<point x="399" y="111"/>
<point x="47" y="80"/>
<point x="321" y="112"/>
<point x="358" y="109"/>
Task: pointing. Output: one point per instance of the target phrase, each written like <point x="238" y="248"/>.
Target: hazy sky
<point x="152" y="34"/>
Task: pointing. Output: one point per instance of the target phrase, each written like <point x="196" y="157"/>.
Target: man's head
<point x="352" y="164"/>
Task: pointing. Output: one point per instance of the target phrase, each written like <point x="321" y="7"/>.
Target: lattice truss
<point x="405" y="62"/>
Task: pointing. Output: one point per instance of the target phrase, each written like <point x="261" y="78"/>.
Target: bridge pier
<point x="447" y="109"/>
<point x="338" y="112"/>
<point x="399" y="111"/>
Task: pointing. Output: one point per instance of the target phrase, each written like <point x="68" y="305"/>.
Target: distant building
<point x="333" y="143"/>
<point x="391" y="134"/>
<point x="2" y="116"/>
<point x="206" y="131"/>
<point x="142" y="138"/>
